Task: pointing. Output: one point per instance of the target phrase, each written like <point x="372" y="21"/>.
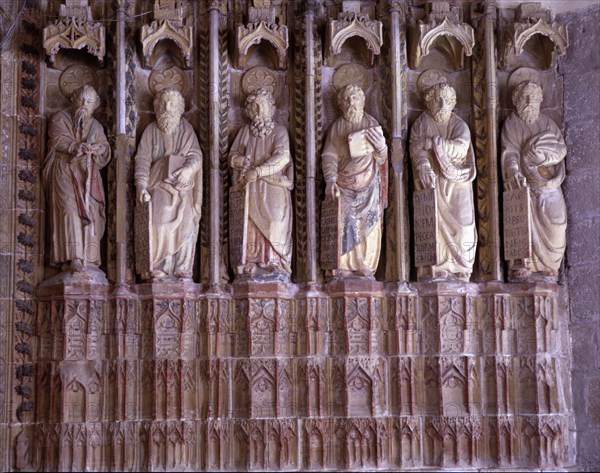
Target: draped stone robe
<point x="76" y="203"/>
<point x="453" y="162"/>
<point x="548" y="208"/>
<point x="269" y="240"/>
<point x="363" y="187"/>
<point x="176" y="209"/>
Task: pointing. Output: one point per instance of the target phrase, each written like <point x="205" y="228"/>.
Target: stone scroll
<point x="330" y="235"/>
<point x="143" y="237"/>
<point x="238" y="224"/>
<point x="517" y="224"/>
<point x="426" y="222"/>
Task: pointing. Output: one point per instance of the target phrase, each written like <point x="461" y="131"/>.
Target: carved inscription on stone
<point x="426" y="244"/>
<point x="238" y="224"/>
<point x="143" y="239"/>
<point x="330" y="244"/>
<point x="517" y="224"/>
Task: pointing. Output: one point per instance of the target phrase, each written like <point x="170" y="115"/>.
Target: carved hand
<point x="427" y="177"/>
<point x="332" y="190"/>
<point x="251" y="175"/>
<point x="142" y="194"/>
<point x="516" y="180"/>
<point x="427" y="143"/>
<point x="83" y="148"/>
<point x="183" y="176"/>
<point x="377" y="139"/>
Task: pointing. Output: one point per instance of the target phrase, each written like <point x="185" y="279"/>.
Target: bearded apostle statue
<point x="354" y="164"/>
<point x="168" y="177"/>
<point x="444" y="169"/>
<point x="262" y="175"/>
<point x="533" y="152"/>
<point x="77" y="150"/>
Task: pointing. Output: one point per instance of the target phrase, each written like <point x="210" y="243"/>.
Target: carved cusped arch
<point x="523" y="32"/>
<point x="459" y="34"/>
<point x="157" y="31"/>
<point x="355" y="25"/>
<point x="74" y="33"/>
<point x="253" y="33"/>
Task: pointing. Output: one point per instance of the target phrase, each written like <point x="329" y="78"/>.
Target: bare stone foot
<point x="77" y="265"/>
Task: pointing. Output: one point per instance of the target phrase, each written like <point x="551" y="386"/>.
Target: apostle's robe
<point x="363" y="195"/>
<point x="453" y="162"/>
<point x="76" y="203"/>
<point x="269" y="239"/>
<point x="176" y="209"/>
<point x="544" y="171"/>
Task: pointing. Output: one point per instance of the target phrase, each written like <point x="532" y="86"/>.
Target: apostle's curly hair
<point x="443" y="89"/>
<point x="517" y="91"/>
<point x="258" y="95"/>
<point x="158" y="100"/>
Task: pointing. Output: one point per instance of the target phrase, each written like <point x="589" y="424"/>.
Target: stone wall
<point x="581" y="71"/>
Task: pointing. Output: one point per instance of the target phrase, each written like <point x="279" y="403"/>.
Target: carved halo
<point x="429" y="78"/>
<point x="261" y="77"/>
<point x="354" y="74"/>
<point x="523" y="74"/>
<point x="171" y="77"/>
<point x="74" y="77"/>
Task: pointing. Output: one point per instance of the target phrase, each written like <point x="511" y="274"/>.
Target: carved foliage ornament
<point x="254" y="33"/>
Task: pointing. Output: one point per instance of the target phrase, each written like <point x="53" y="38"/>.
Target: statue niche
<point x="355" y="170"/>
<point x="260" y="197"/>
<point x="168" y="177"/>
<point x="533" y="169"/>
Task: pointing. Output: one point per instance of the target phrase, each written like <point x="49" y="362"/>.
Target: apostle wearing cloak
<point x="359" y="180"/>
<point x="443" y="159"/>
<point x="260" y="160"/>
<point x="533" y="152"/>
<point x="78" y="149"/>
<point x="168" y="173"/>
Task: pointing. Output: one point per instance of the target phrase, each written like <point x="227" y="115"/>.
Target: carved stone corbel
<point x="168" y="24"/>
<point x="532" y="20"/>
<point x="75" y="29"/>
<point x="446" y="22"/>
<point x="351" y="24"/>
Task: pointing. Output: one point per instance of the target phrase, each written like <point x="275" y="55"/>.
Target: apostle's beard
<point x="528" y="113"/>
<point x="168" y="122"/>
<point x="353" y="114"/>
<point x="442" y="115"/>
<point x="261" y="125"/>
<point x="82" y="115"/>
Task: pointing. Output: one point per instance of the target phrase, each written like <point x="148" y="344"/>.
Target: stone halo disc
<point x="522" y="74"/>
<point x="429" y="78"/>
<point x="162" y="78"/>
<point x="74" y="77"/>
<point x="354" y="74"/>
<point x="260" y="78"/>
